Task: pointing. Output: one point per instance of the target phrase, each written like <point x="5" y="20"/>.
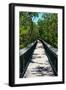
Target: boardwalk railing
<point x="52" y="56"/>
<point x="25" y="56"/>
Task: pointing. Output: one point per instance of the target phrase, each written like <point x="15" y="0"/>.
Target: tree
<point x="26" y="27"/>
<point x="48" y="28"/>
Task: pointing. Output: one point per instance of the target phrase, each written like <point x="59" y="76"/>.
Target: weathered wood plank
<point x="39" y="65"/>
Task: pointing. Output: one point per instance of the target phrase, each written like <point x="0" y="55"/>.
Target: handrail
<point x="24" y="50"/>
<point x="25" y="57"/>
<point x="54" y="50"/>
<point x="52" y="54"/>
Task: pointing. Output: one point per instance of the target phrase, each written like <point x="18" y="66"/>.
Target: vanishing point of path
<point x="39" y="65"/>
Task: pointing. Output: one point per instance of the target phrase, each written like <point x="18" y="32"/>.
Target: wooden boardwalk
<point x="39" y="65"/>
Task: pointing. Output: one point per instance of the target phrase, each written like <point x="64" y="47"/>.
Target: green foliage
<point x="27" y="28"/>
<point x="46" y="28"/>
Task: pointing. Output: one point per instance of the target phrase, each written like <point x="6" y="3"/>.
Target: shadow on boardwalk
<point x="39" y="65"/>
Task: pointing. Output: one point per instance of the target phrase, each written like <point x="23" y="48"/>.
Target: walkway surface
<point x="39" y="65"/>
